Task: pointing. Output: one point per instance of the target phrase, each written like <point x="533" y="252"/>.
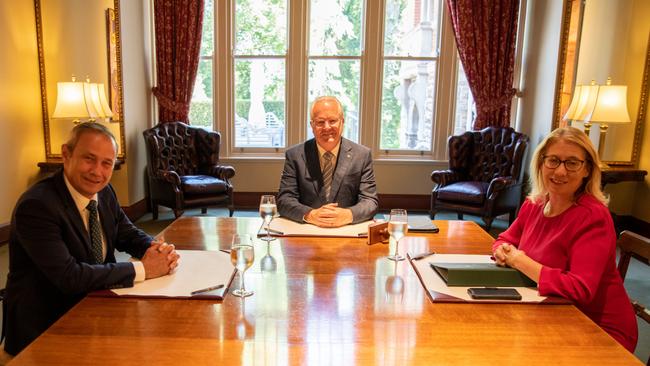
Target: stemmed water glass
<point x="241" y="256"/>
<point x="268" y="210"/>
<point x="397" y="228"/>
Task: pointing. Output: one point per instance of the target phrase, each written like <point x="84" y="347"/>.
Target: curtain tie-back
<point x="169" y="103"/>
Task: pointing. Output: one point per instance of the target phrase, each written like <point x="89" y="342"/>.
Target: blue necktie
<point x="95" y="233"/>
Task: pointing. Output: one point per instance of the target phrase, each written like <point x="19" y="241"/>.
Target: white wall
<point x="539" y="69"/>
<point x="21" y="139"/>
<point x="136" y="51"/>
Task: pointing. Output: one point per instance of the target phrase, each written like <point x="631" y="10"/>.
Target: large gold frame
<point x="41" y="67"/>
<point x="568" y="64"/>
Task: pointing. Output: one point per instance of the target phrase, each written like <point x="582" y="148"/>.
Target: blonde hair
<point x="590" y="184"/>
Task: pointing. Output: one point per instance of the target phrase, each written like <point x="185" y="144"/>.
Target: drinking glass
<point x="241" y="256"/>
<point x="268" y="210"/>
<point x="397" y="228"/>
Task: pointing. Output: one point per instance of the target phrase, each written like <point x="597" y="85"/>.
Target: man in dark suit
<point x="328" y="181"/>
<point x="64" y="231"/>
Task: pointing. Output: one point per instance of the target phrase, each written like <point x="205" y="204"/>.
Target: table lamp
<point x="81" y="100"/>
<point x="610" y="107"/>
<point x="584" y="98"/>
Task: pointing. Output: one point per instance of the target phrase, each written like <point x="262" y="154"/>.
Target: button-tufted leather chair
<point x="183" y="169"/>
<point x="485" y="174"/>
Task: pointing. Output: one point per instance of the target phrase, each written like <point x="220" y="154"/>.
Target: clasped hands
<point x="506" y="255"/>
<point x="160" y="259"/>
<point x="329" y="215"/>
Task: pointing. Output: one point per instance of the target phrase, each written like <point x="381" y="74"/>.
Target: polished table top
<point x="328" y="301"/>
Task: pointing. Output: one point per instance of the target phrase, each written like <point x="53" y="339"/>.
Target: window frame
<point x="371" y="63"/>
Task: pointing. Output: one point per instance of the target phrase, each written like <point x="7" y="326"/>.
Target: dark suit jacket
<point x="353" y="183"/>
<point x="49" y="252"/>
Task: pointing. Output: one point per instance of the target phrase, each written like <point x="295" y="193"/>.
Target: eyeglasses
<point x="572" y="165"/>
<point x="320" y="123"/>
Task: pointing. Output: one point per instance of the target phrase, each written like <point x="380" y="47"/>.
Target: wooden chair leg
<point x="178" y="213"/>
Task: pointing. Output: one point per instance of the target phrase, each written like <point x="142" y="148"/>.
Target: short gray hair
<point x="323" y="99"/>
<point x="88" y="127"/>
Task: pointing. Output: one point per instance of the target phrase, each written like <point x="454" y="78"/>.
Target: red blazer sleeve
<point x="593" y="244"/>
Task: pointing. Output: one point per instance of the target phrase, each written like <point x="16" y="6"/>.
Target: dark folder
<point x="481" y="274"/>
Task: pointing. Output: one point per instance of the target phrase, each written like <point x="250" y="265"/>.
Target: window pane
<point x="411" y="28"/>
<point x="335" y="27"/>
<point x="201" y="104"/>
<point x="207" y="33"/>
<point x="259" y="103"/>
<point x="465" y="107"/>
<point x="340" y="78"/>
<point x="408" y="105"/>
<point x="260" y="27"/>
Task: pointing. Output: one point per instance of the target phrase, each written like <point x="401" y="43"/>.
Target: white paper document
<point x="197" y="270"/>
<point x="432" y="281"/>
<point x="285" y="227"/>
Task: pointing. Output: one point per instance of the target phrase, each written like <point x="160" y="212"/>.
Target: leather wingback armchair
<point x="485" y="174"/>
<point x="184" y="171"/>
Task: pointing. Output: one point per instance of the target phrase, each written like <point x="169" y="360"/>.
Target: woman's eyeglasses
<point x="553" y="162"/>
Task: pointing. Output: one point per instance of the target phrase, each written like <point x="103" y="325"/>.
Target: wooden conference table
<point x="329" y="301"/>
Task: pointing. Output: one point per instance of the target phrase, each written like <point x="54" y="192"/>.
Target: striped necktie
<point x="95" y="233"/>
<point x="328" y="172"/>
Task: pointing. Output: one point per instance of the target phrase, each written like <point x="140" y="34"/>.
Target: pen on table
<point x="196" y="292"/>
<point x="273" y="231"/>
<point x="422" y="255"/>
<point x="365" y="233"/>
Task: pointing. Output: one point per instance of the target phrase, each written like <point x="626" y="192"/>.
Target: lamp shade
<point x="70" y="101"/>
<point x="611" y="105"/>
<point x="81" y="100"/>
<point x="584" y="99"/>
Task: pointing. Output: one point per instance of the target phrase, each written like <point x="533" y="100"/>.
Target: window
<point x="392" y="63"/>
<point x="335" y="46"/>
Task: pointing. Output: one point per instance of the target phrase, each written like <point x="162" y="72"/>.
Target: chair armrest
<point x="168" y="176"/>
<point x="498" y="184"/>
<point x="224" y="172"/>
<point x="445" y="177"/>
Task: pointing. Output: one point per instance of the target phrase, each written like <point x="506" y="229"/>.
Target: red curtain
<point x="178" y="43"/>
<point x="486" y="32"/>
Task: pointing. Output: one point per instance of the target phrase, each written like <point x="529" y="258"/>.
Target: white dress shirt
<point x="81" y="202"/>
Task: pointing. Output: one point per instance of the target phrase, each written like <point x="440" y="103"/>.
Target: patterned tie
<point x="95" y="233"/>
<point x="328" y="172"/>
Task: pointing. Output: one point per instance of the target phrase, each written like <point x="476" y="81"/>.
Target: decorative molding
<point x="136" y="210"/>
<point x="412" y="202"/>
<point x="248" y="200"/>
<point x="4" y="233"/>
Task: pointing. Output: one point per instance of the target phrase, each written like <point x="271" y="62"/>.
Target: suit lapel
<point x="313" y="166"/>
<point x="344" y="160"/>
<point x="71" y="211"/>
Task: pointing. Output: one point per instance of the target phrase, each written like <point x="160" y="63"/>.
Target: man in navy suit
<point x="64" y="231"/>
<point x="328" y="181"/>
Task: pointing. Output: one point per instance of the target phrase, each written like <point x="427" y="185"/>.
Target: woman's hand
<point x="507" y="255"/>
<point x="501" y="253"/>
